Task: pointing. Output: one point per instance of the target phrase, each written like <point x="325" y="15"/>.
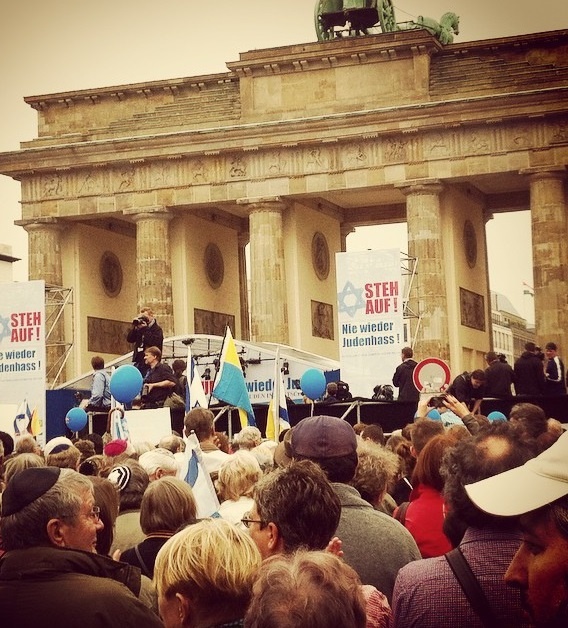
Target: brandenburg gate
<point x="148" y="193"/>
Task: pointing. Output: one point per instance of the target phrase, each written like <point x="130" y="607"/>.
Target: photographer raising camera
<point x="145" y="333"/>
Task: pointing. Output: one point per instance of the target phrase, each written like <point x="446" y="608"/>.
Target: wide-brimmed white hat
<point x="537" y="483"/>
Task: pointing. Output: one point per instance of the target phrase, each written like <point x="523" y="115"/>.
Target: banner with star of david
<point x="370" y="318"/>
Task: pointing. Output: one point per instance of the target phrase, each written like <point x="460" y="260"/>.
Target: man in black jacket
<point x="51" y="574"/>
<point x="145" y="333"/>
<point x="499" y="377"/>
<point x="403" y="377"/>
<point x="529" y="372"/>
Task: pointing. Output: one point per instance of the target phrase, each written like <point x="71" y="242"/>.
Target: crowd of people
<point x="535" y="373"/>
<point x="439" y="524"/>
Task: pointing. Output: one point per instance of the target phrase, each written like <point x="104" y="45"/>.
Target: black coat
<point x="142" y="338"/>
<point x="498" y="379"/>
<point x="529" y="375"/>
<point x="402" y="379"/>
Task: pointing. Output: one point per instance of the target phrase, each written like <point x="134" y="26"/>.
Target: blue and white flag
<point x="199" y="479"/>
<point x="194" y="394"/>
<point x="277" y="416"/>
<point x="22" y="419"/>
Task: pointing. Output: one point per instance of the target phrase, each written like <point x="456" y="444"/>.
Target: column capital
<point x="421" y="186"/>
<point x="36" y="224"/>
<point x="148" y="213"/>
<point x="545" y="172"/>
<point x="264" y="203"/>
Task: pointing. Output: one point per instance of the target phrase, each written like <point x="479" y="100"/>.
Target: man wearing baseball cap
<point x="374" y="544"/>
<point x="537" y="493"/>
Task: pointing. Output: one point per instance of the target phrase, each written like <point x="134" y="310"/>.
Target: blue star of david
<point x="350" y="299"/>
<point x="4" y="328"/>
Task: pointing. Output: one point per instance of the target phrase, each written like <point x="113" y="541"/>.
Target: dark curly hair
<point x="495" y="448"/>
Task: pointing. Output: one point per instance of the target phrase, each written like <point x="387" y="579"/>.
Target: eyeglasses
<point x="246" y="521"/>
<point x="95" y="513"/>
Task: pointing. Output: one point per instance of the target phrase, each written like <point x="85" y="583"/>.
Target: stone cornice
<point x="315" y="130"/>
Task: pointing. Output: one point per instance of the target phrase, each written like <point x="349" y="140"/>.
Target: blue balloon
<point x="434" y="415"/>
<point x="313" y="384"/>
<point x="76" y="419"/>
<point x="125" y="383"/>
<point x="496" y="416"/>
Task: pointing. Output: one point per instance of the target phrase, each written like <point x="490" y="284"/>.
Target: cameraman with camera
<point x="145" y="333"/>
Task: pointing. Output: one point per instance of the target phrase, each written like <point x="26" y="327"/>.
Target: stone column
<point x="44" y="260"/>
<point x="243" y="286"/>
<point x="269" y="304"/>
<point x="153" y="264"/>
<point x="428" y="293"/>
<point x="550" y="255"/>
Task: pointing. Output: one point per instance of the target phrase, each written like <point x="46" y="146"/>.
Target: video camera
<point x="141" y="320"/>
<point x="438" y="401"/>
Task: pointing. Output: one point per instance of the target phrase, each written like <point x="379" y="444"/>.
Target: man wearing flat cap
<point x="50" y="574"/>
<point x="374" y="544"/>
<point x="537" y="493"/>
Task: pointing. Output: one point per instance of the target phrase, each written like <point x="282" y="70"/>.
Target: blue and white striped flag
<point x="199" y="479"/>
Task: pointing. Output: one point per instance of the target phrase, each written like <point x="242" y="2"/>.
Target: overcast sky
<point x="64" y="45"/>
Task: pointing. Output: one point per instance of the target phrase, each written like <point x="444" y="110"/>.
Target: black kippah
<point x="26" y="486"/>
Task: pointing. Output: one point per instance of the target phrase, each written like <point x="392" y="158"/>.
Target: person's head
<point x="7" y="442"/>
<point x="168" y="504"/>
<point x="406" y="353"/>
<point x="27" y="444"/>
<point x="201" y="421"/>
<point x="108" y="500"/>
<point x="294" y="506"/>
<point x="537" y="492"/>
<point x="377" y="469"/>
<point x="307" y="588"/>
<point x="158" y="462"/>
<point x="264" y="453"/>
<point x="477" y="378"/>
<point x="424" y="429"/>
<point x="249" y="437"/>
<point x="97" y="363"/>
<point x="97" y="441"/>
<point x="550" y="350"/>
<point x="173" y="443"/>
<point x="495" y="448"/>
<point x="238" y="476"/>
<point x="20" y="462"/>
<point x="491" y="357"/>
<point x="118" y="450"/>
<point x="530" y="347"/>
<point x="148" y="313"/>
<point x="427" y="470"/>
<point x="48" y="506"/>
<point x="67" y="458"/>
<point x="375" y="433"/>
<point x="331" y="389"/>
<point x="179" y="366"/>
<point x="152" y="356"/>
<point x="131" y="480"/>
<point x="328" y="441"/>
<point x="86" y="447"/>
<point x="93" y="466"/>
<point x="529" y="418"/>
<point x="205" y="573"/>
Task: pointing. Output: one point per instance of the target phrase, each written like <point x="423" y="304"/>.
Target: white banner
<point x="370" y="317"/>
<point x="22" y="359"/>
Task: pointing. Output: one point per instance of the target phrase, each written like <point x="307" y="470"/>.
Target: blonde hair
<point x="19" y="463"/>
<point x="238" y="476"/>
<point x="207" y="562"/>
<point x="167" y="505"/>
<point x="67" y="459"/>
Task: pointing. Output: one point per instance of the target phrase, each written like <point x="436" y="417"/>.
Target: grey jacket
<point x="374" y="544"/>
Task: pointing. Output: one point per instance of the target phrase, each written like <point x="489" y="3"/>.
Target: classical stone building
<point x="148" y="193"/>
